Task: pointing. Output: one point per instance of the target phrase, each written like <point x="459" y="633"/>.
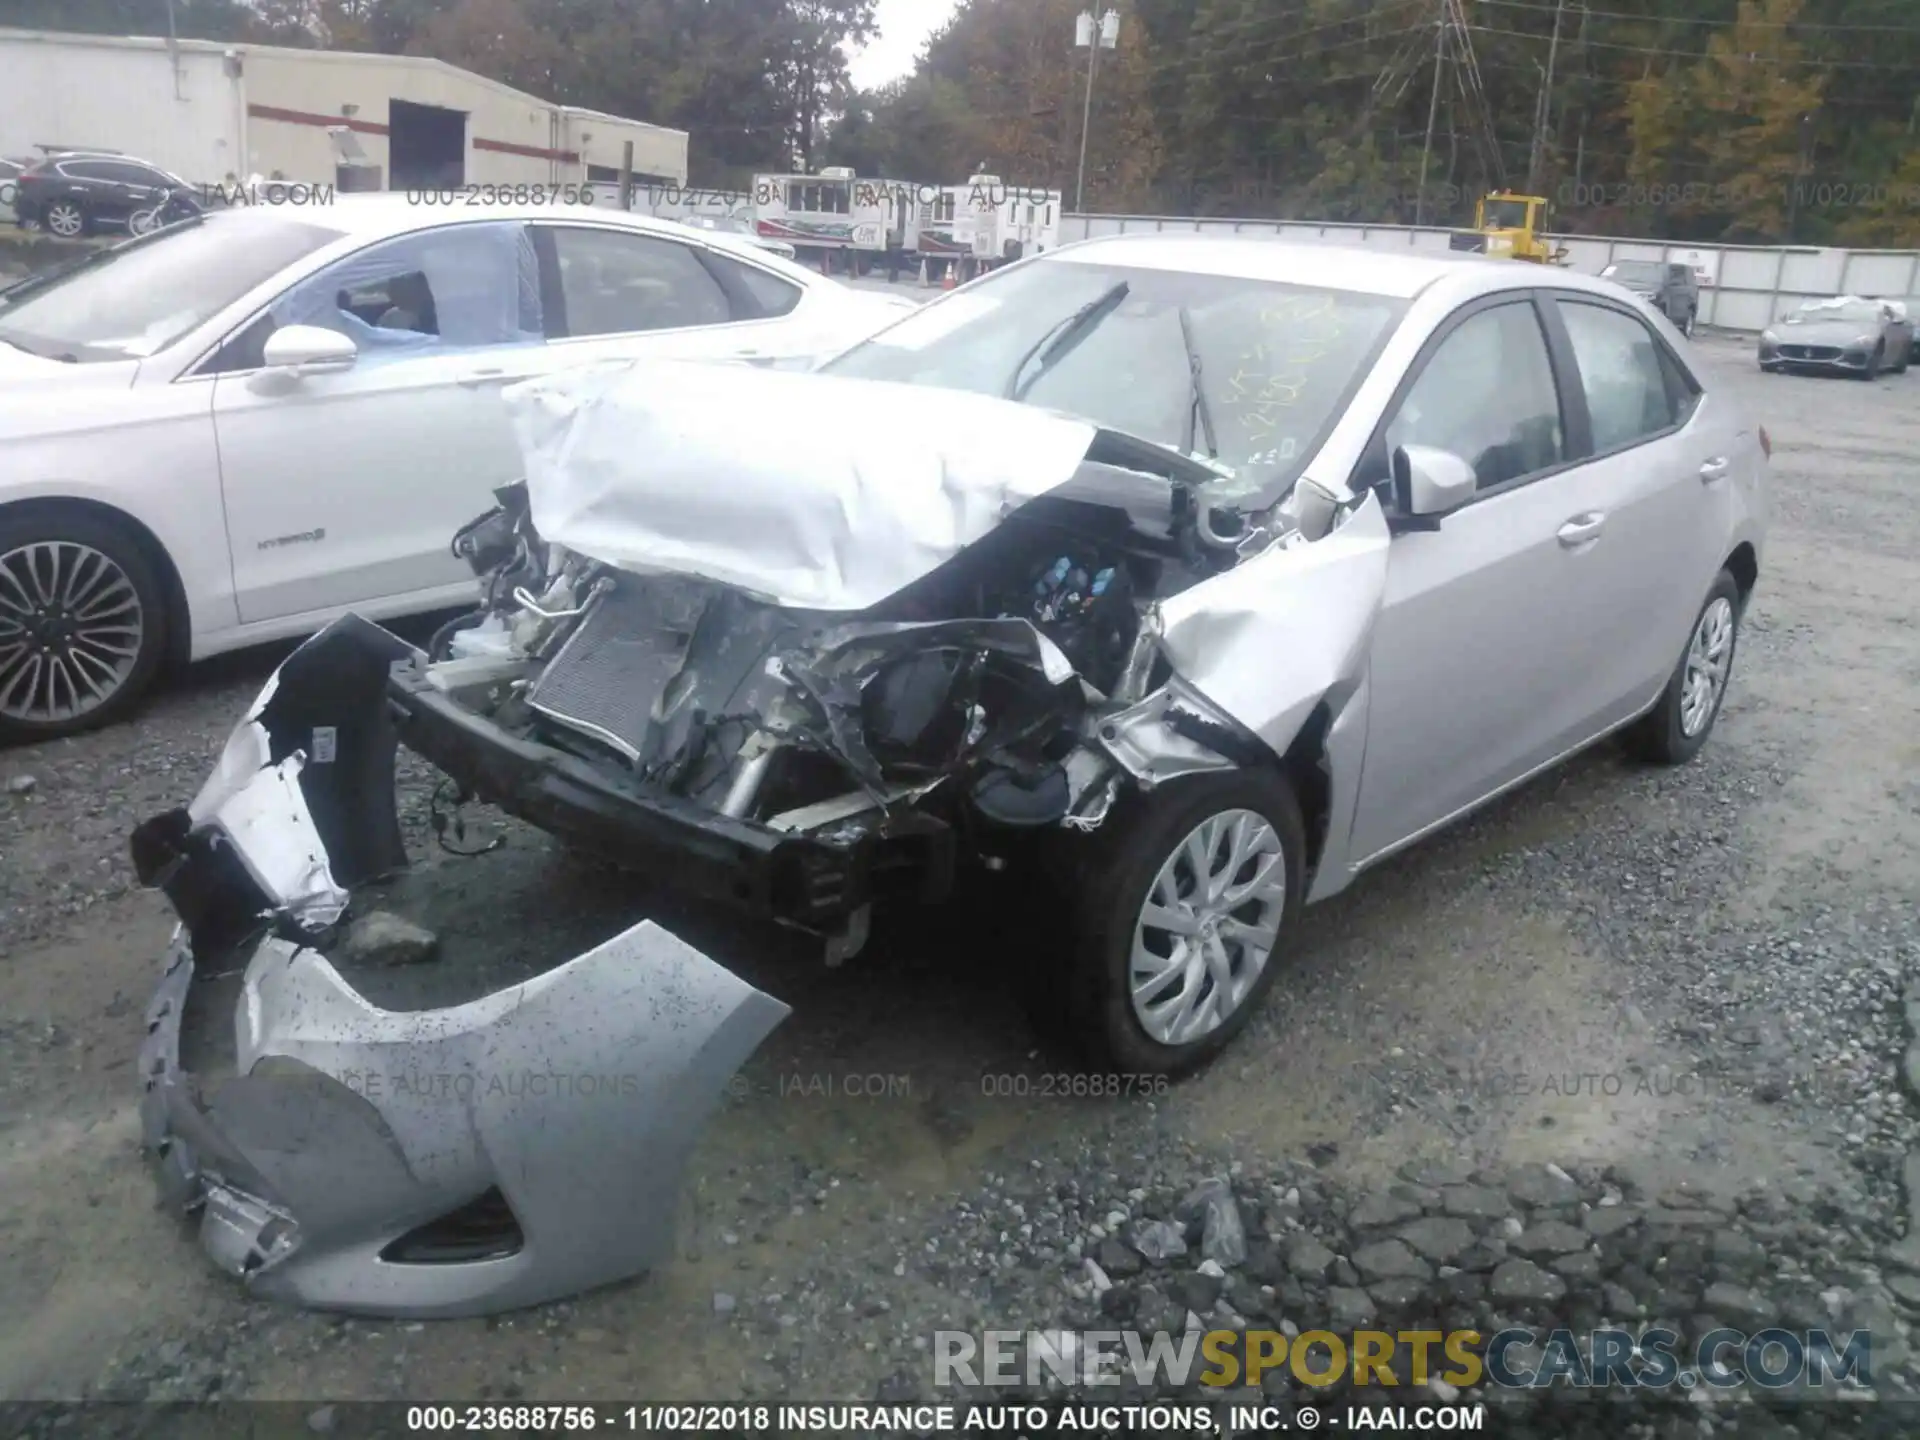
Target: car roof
<point x="1325" y="264"/>
<point x="388" y="214"/>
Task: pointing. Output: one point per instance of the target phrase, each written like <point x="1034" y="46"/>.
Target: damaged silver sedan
<point x="1193" y="576"/>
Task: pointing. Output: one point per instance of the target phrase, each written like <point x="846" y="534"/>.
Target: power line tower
<point x="1453" y="54"/>
<point x="1543" y="112"/>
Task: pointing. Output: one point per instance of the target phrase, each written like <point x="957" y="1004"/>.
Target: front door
<point x="1478" y="651"/>
<point x="346" y="488"/>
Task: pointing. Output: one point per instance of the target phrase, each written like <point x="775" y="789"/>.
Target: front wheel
<point x="1673" y="732"/>
<point x="1184" y="897"/>
<point x="82" y="624"/>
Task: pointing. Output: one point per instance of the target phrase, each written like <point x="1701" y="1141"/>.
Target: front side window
<point x="453" y="287"/>
<point x="1487" y="395"/>
<point x="1277" y="362"/>
<point x="140" y="297"/>
<point x="125" y="174"/>
<point x="1628" y="392"/>
<point x="613" y="282"/>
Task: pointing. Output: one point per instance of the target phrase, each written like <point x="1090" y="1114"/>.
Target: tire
<point x="120" y="653"/>
<point x="1674" y="731"/>
<point x="1091" y="1003"/>
<point x="67" y="219"/>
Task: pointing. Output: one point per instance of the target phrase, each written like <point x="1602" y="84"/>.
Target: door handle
<point x="473" y="379"/>
<point x="1582" y="528"/>
<point x="1714" y="470"/>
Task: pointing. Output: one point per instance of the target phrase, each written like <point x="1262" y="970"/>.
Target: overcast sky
<point x="905" y="26"/>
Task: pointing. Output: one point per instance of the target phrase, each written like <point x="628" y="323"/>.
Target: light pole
<point x="1094" y="36"/>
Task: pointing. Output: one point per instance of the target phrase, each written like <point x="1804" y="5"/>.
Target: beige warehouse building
<point x="210" y="112"/>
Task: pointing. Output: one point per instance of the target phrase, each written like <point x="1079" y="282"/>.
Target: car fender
<point x="1283" y="634"/>
<point x="160" y="471"/>
<point x="1285" y="629"/>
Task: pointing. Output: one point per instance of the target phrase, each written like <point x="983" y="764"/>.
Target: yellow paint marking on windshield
<point x="1270" y="377"/>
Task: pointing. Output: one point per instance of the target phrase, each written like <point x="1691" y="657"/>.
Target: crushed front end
<point x="746" y="697"/>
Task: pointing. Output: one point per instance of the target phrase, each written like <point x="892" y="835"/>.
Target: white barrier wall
<point x="1750" y="287"/>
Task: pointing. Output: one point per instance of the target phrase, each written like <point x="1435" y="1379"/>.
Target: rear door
<point x="1664" y="456"/>
<point x="1482" y="643"/>
<point x="129" y="187"/>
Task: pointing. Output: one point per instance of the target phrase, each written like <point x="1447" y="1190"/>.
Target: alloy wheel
<point x="71" y="624"/>
<point x="1207" y="927"/>
<point x="1709" y="657"/>
<point x="65" y="220"/>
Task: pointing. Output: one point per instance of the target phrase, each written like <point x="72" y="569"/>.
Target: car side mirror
<point x="1430" y="482"/>
<point x="309" y="350"/>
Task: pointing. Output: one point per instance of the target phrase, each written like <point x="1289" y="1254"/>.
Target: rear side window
<point x="613" y="282"/>
<point x="757" y="294"/>
<point x="1628" y="387"/>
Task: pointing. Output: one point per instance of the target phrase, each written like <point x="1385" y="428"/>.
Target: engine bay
<point x="971" y="691"/>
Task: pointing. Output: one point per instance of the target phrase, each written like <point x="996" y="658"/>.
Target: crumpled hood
<point x="812" y="491"/>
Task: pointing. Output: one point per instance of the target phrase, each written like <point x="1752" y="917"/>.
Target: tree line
<point x="1709" y="120"/>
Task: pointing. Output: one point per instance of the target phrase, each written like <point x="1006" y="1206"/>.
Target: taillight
<point x="1766" y="443"/>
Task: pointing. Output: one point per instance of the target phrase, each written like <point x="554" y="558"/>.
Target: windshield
<point x="1276" y="362"/>
<point x="1642" y="272"/>
<point x="138" y="298"/>
<point x="1859" y="312"/>
<point x="1506" y="215"/>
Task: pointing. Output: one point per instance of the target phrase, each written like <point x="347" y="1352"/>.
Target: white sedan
<point x="236" y="429"/>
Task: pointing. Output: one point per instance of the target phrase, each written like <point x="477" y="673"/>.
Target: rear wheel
<point x="82" y="624"/>
<point x="1673" y="732"/>
<point x="1182" y="901"/>
<point x="66" y="219"/>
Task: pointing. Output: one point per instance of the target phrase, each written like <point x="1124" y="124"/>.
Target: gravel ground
<point x="1639" y="976"/>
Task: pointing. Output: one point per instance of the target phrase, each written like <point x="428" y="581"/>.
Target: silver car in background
<point x="1843" y="336"/>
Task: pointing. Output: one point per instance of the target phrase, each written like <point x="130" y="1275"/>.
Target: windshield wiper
<point x="22" y="288"/>
<point x="1198" y="413"/>
<point x="1054" y="345"/>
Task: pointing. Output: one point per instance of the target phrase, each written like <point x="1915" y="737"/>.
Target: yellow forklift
<point x="1508" y="225"/>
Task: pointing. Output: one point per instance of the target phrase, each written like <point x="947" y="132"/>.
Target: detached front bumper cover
<point x="462" y="1161"/>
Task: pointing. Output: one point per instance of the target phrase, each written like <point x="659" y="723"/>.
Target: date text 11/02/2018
<point x="928" y="1419"/>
